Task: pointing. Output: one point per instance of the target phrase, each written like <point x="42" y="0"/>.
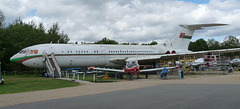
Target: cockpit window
<point x="24" y="51"/>
<point x="131" y="64"/>
<point x="20" y="52"/>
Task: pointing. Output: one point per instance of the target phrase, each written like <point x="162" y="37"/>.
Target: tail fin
<point x="185" y="34"/>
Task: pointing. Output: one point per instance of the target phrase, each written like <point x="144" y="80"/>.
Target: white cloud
<point x="126" y="20"/>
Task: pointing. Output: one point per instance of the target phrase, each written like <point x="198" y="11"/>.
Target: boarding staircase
<point x="184" y="66"/>
<point x="52" y="65"/>
<point x="187" y="60"/>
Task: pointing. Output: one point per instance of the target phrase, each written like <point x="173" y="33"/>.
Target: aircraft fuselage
<point x="85" y="55"/>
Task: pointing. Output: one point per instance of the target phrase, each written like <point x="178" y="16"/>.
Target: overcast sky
<point x="128" y="20"/>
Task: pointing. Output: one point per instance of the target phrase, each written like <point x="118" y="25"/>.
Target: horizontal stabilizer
<point x="200" y="26"/>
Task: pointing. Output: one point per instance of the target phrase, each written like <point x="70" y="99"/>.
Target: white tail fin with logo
<point x="182" y="40"/>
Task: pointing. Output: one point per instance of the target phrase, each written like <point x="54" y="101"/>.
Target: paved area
<point x="80" y="81"/>
<point x="115" y="87"/>
<point x="155" y="97"/>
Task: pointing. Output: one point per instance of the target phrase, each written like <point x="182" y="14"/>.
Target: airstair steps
<point x="52" y="65"/>
<point x="57" y="67"/>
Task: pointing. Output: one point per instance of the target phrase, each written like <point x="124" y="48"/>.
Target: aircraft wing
<point x="122" y="71"/>
<point x="155" y="69"/>
<point x="199" y="54"/>
<point x="106" y="69"/>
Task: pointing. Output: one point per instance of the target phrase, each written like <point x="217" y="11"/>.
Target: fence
<point x="90" y="76"/>
<point x="21" y="73"/>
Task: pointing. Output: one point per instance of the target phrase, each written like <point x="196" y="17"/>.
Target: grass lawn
<point x="16" y="84"/>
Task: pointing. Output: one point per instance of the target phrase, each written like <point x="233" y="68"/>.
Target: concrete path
<point x="97" y="88"/>
<point x="179" y="96"/>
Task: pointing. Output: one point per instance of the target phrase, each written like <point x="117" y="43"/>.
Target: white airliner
<point x="131" y="56"/>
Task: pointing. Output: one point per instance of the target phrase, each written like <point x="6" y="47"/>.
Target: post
<point x="158" y="74"/>
<point x="78" y="77"/>
<point x="179" y="74"/>
<point x="60" y="75"/>
<point x="182" y="74"/>
<point x="220" y="61"/>
<point x="68" y="75"/>
<point x="94" y="78"/>
<point x="84" y="76"/>
<point x="73" y="76"/>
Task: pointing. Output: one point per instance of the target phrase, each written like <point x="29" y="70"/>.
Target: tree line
<point x="18" y="35"/>
<point x="105" y="40"/>
<point x="198" y="45"/>
<point x="212" y="44"/>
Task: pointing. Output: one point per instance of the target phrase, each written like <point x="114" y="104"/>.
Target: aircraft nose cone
<point x="13" y="59"/>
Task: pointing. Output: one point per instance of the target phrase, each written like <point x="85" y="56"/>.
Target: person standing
<point x="164" y="73"/>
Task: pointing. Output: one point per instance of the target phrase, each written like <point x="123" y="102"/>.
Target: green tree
<point x="125" y="43"/>
<point x="55" y="36"/>
<point x="230" y="42"/>
<point x="2" y="41"/>
<point x="19" y="35"/>
<point x="199" y="45"/>
<point x="2" y="19"/>
<point x="213" y="44"/>
<point x="133" y="43"/>
<point x="106" y="41"/>
<point x="152" y="43"/>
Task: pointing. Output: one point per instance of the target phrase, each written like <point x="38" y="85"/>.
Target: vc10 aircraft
<point x="130" y="56"/>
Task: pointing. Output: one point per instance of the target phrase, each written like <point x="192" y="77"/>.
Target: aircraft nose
<point x="13" y="58"/>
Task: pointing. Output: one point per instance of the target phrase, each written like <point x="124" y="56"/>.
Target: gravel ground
<point x="95" y="88"/>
